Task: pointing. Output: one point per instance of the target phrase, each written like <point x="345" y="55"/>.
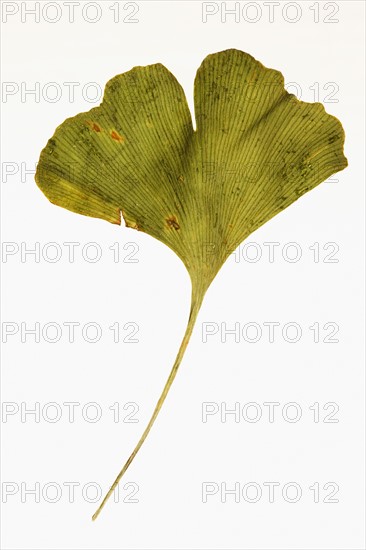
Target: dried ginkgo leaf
<point x="256" y="150"/>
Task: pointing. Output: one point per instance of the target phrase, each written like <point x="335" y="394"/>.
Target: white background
<point x="182" y="452"/>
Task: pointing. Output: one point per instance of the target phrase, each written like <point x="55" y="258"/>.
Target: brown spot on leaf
<point x="181" y="178"/>
<point x="93" y="125"/>
<point x="173" y="223"/>
<point x="115" y="135"/>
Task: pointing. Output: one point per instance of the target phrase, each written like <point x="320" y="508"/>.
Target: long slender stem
<point x="195" y="307"/>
